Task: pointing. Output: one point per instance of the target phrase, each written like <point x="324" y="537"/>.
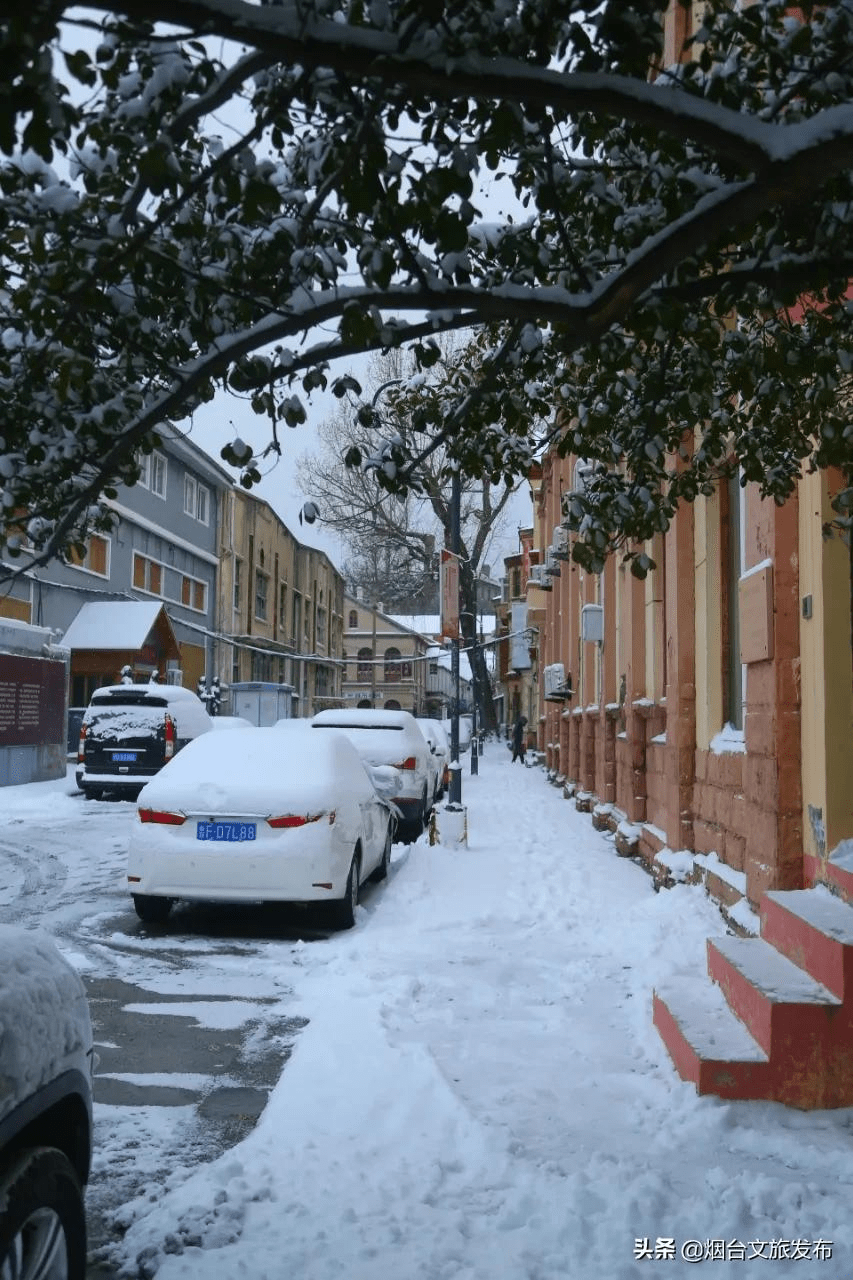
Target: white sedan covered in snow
<point x="390" y="738"/>
<point x="260" y="815"/>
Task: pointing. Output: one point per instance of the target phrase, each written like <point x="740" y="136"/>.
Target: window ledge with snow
<point x="728" y="741"/>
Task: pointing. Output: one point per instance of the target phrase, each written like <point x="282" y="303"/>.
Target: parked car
<point x="466" y="730"/>
<point x="46" y="1066"/>
<point x="439" y="745"/>
<point x="390" y="737"/>
<point x="260" y="815"/>
<point x="130" y="731"/>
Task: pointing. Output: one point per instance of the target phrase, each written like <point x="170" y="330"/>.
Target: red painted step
<point x="775" y="999"/>
<point x="708" y="1044"/>
<point x="777" y="1020"/>
<point x="815" y="930"/>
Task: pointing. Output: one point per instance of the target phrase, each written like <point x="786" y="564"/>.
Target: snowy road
<point x="475" y="1091"/>
<point x="189" y="1045"/>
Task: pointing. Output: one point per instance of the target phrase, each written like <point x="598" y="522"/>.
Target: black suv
<point x="130" y="731"/>
<point x="46" y="1066"/>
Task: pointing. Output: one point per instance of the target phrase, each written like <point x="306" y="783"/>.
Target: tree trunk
<point x="482" y="682"/>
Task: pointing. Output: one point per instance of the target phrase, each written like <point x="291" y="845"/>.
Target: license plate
<point x="124" y="757"/>
<point x="233" y="832"/>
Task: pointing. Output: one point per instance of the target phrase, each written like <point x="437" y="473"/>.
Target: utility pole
<point x="456" y="549"/>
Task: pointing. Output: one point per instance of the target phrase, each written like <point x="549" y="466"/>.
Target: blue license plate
<point x="124" y="757"/>
<point x="233" y="832"/>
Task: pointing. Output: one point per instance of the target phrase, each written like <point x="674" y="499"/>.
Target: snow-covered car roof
<point x="165" y="692"/>
<point x="257" y="771"/>
<point x="365" y="718"/>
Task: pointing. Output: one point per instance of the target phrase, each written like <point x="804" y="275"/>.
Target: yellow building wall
<point x="825" y="674"/>
<point x="708" y="619"/>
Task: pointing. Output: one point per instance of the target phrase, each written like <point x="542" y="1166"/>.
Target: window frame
<point x="84" y="565"/>
<point x="152" y="465"/>
<point x="261" y="576"/>
<point x="196" y="499"/>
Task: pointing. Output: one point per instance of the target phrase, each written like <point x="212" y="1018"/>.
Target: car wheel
<point x="343" y="911"/>
<point x="93" y="793"/>
<point x="150" y="909"/>
<point x="381" y="871"/>
<point x="43" y="1220"/>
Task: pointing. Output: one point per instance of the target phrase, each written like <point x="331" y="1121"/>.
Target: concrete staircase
<point x="775" y="1020"/>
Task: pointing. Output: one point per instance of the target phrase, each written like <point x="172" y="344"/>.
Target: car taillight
<point x="299" y="820"/>
<point x="410" y="762"/>
<point x="81" y="745"/>
<point x="170" y="737"/>
<point x="164" y="818"/>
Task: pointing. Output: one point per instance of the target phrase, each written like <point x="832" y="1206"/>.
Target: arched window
<point x="393" y="705"/>
<point x="353" y="618"/>
<point x="365" y="702"/>
<point x="365" y="664"/>
<point x="393" y="669"/>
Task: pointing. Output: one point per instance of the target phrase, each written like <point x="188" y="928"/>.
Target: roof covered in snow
<point x="114" y="624"/>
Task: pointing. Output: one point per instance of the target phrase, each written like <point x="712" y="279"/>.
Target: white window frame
<point x="83" y="567"/>
<point x="200" y="582"/>
<point x="196" y="499"/>
<point x="158" y="473"/>
<point x="153" y="472"/>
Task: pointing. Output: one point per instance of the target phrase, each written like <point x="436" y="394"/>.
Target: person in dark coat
<point x="519" y="746"/>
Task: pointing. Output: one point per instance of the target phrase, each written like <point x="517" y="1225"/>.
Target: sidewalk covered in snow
<point x="480" y="1093"/>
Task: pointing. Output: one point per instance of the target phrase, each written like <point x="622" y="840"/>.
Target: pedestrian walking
<point x="518" y="744"/>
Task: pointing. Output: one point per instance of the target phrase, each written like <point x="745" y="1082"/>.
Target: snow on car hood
<point x="259" y="771"/>
<point x="44" y="1017"/>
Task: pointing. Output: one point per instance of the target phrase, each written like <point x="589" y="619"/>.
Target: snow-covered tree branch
<point x="218" y="195"/>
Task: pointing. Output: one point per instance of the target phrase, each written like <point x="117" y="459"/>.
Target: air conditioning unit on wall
<point x="592" y="622"/>
<point x="560" y="545"/>
<point x="556" y="687"/>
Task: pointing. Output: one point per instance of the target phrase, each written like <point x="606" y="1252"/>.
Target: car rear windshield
<point x="133" y="698"/>
<point x="352" y="724"/>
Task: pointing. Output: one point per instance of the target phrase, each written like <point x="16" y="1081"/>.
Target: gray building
<point x="163" y="547"/>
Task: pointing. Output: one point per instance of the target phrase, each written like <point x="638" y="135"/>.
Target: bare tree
<point x="394" y="537"/>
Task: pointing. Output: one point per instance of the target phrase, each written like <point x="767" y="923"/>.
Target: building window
<point x="393" y="668"/>
<point x="262" y="667"/>
<point x="238" y="565"/>
<point x="96" y="558"/>
<point x="353" y="618"/>
<point x="261" y="585"/>
<point x="192" y="593"/>
<point x="393" y="705"/>
<point x="365" y="664"/>
<point x="195" y="499"/>
<point x="296" y="619"/>
<point x="282" y="605"/>
<point x="322" y="626"/>
<point x="147" y="575"/>
<point x="152" y="472"/>
<point x="516" y="584"/>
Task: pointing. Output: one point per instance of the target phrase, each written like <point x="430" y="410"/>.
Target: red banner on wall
<point x="32" y="701"/>
<point x="450" y="596"/>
